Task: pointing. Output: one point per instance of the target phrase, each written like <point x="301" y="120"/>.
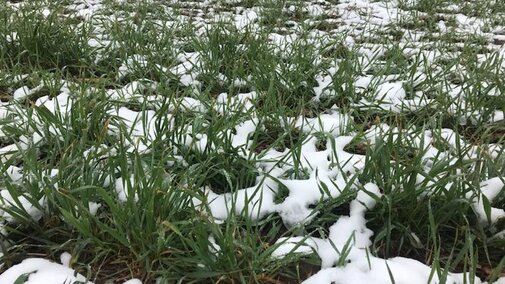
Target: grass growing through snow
<point x="147" y="225"/>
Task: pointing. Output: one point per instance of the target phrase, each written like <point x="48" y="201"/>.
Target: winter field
<point x="252" y="141"/>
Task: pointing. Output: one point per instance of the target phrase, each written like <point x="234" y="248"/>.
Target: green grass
<point x="158" y="231"/>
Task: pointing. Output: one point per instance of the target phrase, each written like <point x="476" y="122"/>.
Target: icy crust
<point x="345" y="253"/>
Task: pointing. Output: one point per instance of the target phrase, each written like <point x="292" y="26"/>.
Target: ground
<point x="243" y="141"/>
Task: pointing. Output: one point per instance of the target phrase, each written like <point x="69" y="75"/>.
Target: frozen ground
<point x="253" y="141"/>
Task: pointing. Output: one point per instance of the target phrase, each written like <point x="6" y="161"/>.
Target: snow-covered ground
<point x="365" y="28"/>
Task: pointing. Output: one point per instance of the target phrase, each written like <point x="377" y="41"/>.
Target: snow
<point x="349" y="241"/>
<point x="398" y="269"/>
<point x="25" y="91"/>
<point x="333" y="122"/>
<point x="330" y="172"/>
<point x="65" y="259"/>
<point x="22" y="202"/>
<point x="246" y="19"/>
<point x="43" y="271"/>
<point x="488" y="189"/>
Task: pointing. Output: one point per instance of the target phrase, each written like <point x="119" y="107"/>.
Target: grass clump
<point x="47" y="42"/>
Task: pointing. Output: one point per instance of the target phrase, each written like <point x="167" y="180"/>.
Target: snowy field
<point x="252" y="141"/>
